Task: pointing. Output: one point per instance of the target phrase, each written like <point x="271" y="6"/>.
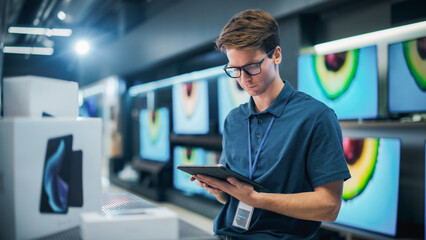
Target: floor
<point x="201" y="222"/>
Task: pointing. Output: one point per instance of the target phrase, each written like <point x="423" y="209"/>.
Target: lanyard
<point x="253" y="165"/>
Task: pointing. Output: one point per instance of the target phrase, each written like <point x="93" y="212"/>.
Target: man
<point x="283" y="139"/>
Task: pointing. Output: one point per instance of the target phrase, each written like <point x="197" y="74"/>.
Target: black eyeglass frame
<point x="243" y="67"/>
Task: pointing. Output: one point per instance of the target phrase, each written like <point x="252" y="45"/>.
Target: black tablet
<point x="218" y="172"/>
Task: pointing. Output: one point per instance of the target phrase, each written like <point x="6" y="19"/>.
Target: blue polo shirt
<point x="302" y="151"/>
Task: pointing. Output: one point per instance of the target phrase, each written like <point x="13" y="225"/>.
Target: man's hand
<point x="241" y="191"/>
<point x="204" y="185"/>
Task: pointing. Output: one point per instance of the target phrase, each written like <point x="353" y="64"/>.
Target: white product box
<point x="149" y="223"/>
<point x="50" y="172"/>
<point x="31" y="96"/>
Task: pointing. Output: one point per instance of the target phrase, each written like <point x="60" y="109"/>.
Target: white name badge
<point x="243" y="216"/>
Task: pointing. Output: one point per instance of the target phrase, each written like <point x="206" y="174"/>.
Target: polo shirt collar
<point x="277" y="106"/>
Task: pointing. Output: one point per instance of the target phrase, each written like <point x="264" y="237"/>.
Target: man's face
<point x="257" y="84"/>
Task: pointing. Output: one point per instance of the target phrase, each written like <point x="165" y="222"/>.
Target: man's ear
<point x="277" y="55"/>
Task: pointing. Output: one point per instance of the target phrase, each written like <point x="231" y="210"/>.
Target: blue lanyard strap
<point x="253" y="165"/>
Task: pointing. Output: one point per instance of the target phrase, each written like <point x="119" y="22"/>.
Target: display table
<point x="112" y="202"/>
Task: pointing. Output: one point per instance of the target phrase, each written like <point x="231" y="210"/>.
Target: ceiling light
<point x="60" y="32"/>
<point x="28" y="50"/>
<point x="82" y="47"/>
<point x="61" y="15"/>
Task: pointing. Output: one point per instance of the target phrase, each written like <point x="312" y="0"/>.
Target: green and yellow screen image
<point x="346" y="81"/>
<point x="361" y="157"/>
<point x="415" y="55"/>
<point x="154" y="142"/>
<point x="187" y="156"/>
<point x="407" y="76"/>
<point x="371" y="194"/>
<point x="336" y="71"/>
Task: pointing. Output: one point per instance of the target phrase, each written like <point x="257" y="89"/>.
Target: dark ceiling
<point x="105" y="19"/>
<point x="101" y="21"/>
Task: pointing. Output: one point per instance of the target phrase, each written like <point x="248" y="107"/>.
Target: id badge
<point x="243" y="215"/>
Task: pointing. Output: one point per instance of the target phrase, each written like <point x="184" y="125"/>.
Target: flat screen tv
<point x="347" y="81"/>
<point x="370" y="196"/>
<point x="154" y="134"/>
<point x="187" y="156"/>
<point x="191" y="108"/>
<point x="230" y="96"/>
<point x="407" y="76"/>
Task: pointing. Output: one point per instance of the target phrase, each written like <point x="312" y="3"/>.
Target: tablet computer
<point x="217" y="171"/>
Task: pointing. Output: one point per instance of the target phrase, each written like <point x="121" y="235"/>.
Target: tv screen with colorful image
<point x="370" y="196"/>
<point x="191" y="108"/>
<point x="347" y="81"/>
<point x="407" y="76"/>
<point x="154" y="134"/>
<point x="230" y="95"/>
<point x="187" y="156"/>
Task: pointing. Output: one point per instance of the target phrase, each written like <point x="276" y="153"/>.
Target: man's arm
<point x="323" y="204"/>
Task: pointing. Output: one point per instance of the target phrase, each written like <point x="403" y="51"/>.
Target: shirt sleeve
<point x="325" y="159"/>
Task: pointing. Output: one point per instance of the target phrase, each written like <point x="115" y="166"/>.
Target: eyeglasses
<point x="251" y="68"/>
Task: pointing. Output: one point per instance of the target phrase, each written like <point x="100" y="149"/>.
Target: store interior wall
<point x="187" y="29"/>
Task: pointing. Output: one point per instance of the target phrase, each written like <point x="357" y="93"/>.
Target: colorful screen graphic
<point x="370" y="196"/>
<point x="90" y="107"/>
<point x="407" y="76"/>
<point x="347" y="82"/>
<point x="62" y="183"/>
<point x="191" y="108"/>
<point x="191" y="156"/>
<point x="230" y="95"/>
<point x="187" y="156"/>
<point x="154" y="134"/>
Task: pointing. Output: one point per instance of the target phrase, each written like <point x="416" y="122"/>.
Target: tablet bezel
<point x="217" y="171"/>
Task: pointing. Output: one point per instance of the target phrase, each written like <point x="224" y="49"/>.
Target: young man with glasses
<point x="283" y="139"/>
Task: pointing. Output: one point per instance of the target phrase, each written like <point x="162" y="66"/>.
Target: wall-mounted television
<point x="347" y="81"/>
<point x="230" y="96"/>
<point x="407" y="76"/>
<point x="191" y="108"/>
<point x="154" y="134"/>
<point x="370" y="196"/>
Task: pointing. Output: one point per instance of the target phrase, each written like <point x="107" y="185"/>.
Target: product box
<point x="50" y="172"/>
<point x="33" y="96"/>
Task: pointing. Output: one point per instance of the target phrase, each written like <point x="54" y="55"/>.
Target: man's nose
<point x="245" y="77"/>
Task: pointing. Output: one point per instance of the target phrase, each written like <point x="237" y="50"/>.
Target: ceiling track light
<point x="50" y="32"/>
<point x="28" y="50"/>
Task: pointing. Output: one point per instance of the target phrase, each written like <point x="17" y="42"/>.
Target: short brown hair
<point x="249" y="29"/>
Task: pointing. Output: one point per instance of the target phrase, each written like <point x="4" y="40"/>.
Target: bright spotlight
<point x="61" y="15"/>
<point x="82" y="47"/>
